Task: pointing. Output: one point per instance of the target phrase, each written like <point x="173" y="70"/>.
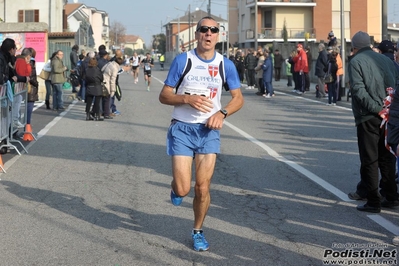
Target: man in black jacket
<point x="250" y="64"/>
<point x="73" y="56"/>
<point x="278" y="61"/>
<point x="321" y="63"/>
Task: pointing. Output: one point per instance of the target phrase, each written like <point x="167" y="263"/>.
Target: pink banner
<point x="38" y="42"/>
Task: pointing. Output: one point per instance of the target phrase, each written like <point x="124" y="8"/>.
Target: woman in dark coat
<point x="332" y="68"/>
<point x="34" y="85"/>
<point x="93" y="78"/>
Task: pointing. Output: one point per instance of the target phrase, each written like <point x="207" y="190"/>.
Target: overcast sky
<point x="145" y="17"/>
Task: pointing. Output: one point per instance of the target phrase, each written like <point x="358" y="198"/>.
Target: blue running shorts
<point x="188" y="139"/>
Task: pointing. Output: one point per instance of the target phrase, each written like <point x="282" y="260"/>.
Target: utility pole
<point x="384" y="24"/>
<point x="209" y="8"/>
<point x="343" y="49"/>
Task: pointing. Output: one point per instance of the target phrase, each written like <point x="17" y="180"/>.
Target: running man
<point x="198" y="117"/>
<point x="135" y="62"/>
<point x="148" y="64"/>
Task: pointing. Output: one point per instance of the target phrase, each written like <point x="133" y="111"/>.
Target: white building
<point x="47" y="11"/>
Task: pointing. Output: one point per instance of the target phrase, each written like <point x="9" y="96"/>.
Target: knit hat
<point x="360" y="40"/>
<point x="331" y="34"/>
<point x="299" y="45"/>
<point x="386" y="47"/>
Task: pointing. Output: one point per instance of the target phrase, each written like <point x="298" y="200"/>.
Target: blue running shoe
<point x="176" y="200"/>
<point x="200" y="243"/>
<point x="116" y="112"/>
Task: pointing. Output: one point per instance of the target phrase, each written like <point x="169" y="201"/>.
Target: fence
<point x="13" y="114"/>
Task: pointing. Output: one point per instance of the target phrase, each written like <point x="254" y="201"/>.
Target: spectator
<point x="250" y="64"/>
<point x="110" y="72"/>
<point x="294" y="74"/>
<point x="34" y="87"/>
<point x="74" y="61"/>
<point x="114" y="111"/>
<point x="340" y="73"/>
<point x="23" y="69"/>
<point x="259" y="74"/>
<point x="57" y="80"/>
<point x="310" y="60"/>
<point x="332" y="40"/>
<point x="82" y="91"/>
<point x="321" y="63"/>
<point x="93" y="79"/>
<point x="301" y="67"/>
<point x="267" y="68"/>
<point x="278" y="62"/>
<point x="368" y="88"/>
<point x="288" y="72"/>
<point x="239" y="63"/>
<point x="332" y="68"/>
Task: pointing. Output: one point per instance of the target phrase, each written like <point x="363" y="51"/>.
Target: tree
<point x="285" y="32"/>
<point x="159" y="43"/>
<point x="117" y="33"/>
<point x="128" y="51"/>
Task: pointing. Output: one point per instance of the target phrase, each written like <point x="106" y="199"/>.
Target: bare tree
<point x="117" y="33"/>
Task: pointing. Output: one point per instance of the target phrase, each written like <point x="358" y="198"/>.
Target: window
<point x="28" y="15"/>
<point x="268" y="19"/>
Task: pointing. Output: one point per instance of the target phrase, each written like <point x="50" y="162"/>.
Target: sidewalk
<point x="281" y="86"/>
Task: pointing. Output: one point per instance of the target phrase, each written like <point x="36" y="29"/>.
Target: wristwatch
<point x="223" y="111"/>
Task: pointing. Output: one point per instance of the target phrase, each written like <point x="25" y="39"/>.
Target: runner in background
<point x="148" y="64"/>
<point x="135" y="63"/>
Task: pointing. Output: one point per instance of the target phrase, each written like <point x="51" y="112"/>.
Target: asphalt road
<point x="97" y="193"/>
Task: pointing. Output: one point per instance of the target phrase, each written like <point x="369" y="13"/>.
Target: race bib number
<point x="147" y="67"/>
<point x="197" y="91"/>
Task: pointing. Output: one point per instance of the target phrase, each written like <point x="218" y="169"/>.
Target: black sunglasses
<point x="204" y="29"/>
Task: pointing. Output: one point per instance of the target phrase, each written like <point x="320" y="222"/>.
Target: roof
<point x="131" y="38"/>
<point x="61" y="34"/>
<point x="70" y="8"/>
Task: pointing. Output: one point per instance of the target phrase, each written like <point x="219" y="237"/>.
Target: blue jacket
<point x="268" y="70"/>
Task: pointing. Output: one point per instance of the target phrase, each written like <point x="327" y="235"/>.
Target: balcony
<point x="277" y="34"/>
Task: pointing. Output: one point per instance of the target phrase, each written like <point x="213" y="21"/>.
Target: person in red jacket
<point x="301" y="67"/>
<point x="23" y="69"/>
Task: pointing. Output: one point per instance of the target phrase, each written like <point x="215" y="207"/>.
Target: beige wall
<point x="374" y="23"/>
<point x="336" y="5"/>
<point x="50" y="12"/>
<point x="296" y="18"/>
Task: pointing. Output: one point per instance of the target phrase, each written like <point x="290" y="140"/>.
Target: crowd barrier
<point x="13" y="114"/>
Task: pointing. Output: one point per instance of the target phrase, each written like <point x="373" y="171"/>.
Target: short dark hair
<point x="200" y="21"/>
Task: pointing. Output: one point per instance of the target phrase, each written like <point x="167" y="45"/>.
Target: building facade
<point x="90" y="25"/>
<point x="267" y="21"/>
<point x="50" y="12"/>
<point x="180" y="32"/>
